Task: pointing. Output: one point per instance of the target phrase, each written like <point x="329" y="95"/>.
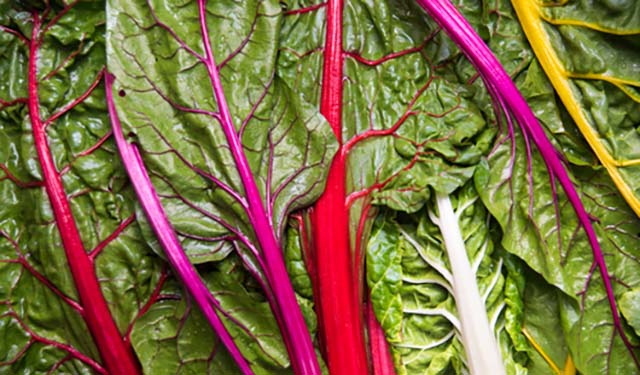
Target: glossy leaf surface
<point x="231" y="150"/>
<point x="590" y="60"/>
<point x="166" y="104"/>
<point x="541" y="228"/>
<point x="412" y="292"/>
<point x="67" y="222"/>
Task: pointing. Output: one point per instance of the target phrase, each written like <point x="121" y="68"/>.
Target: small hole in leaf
<point x="122" y="93"/>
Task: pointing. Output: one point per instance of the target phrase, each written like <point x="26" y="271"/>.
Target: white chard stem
<point x="480" y="345"/>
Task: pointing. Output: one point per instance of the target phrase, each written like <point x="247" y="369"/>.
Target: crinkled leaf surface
<point x="411" y="121"/>
<point x="167" y="106"/>
<point x="403" y="80"/>
<point x="630" y="306"/>
<point x="174" y="338"/>
<point x="166" y="101"/>
<point x="296" y="261"/>
<point x="410" y="280"/>
<point x="543" y="325"/>
<point x="541" y="228"/>
<point x="589" y="50"/>
<point x="401" y="127"/>
<point x="403" y="104"/>
<point x="41" y="328"/>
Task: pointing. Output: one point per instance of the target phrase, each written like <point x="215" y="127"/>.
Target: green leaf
<point x="630" y="308"/>
<point x="543" y="324"/>
<point x="539" y="226"/>
<point x="42" y="320"/>
<point x="384" y="276"/>
<point x="408" y="123"/>
<point x="588" y="50"/>
<point x="174" y="337"/>
<point x="166" y="104"/>
<point x="296" y="262"/>
<point x="429" y="341"/>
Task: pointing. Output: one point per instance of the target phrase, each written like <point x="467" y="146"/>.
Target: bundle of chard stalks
<point x="319" y="187"/>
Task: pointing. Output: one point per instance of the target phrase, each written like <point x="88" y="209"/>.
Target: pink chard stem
<point x="494" y="75"/>
<point x="117" y="356"/>
<point x="338" y="275"/>
<point x="157" y="217"/>
<point x="295" y="332"/>
<point x="381" y="359"/>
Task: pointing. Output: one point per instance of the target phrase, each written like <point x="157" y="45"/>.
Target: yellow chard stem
<point x="556" y="370"/>
<point x="569" y="367"/>
<point x="531" y="20"/>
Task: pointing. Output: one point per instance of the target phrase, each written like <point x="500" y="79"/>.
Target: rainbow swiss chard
<point x="411" y="259"/>
<point x="231" y="150"/>
<point x="503" y="91"/>
<point x="150" y="202"/>
<point x="397" y="110"/>
<point x="415" y="127"/>
<point x="581" y="51"/>
<point x="70" y="252"/>
<point x="300" y="60"/>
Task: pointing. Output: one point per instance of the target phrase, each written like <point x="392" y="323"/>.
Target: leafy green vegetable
<point x="407" y="123"/>
<point x="429" y="336"/>
<point x="233" y="141"/>
<point x="483" y="354"/>
<point x="543" y="325"/>
<point x="74" y="273"/>
<point x="157" y="217"/>
<point x="509" y="100"/>
<point x="559" y="253"/>
<point x="517" y="192"/>
<point x="174" y="337"/>
<point x="589" y="59"/>
<point x="217" y="130"/>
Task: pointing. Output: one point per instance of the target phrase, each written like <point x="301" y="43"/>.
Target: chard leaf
<point x="429" y="340"/>
<point x="540" y="227"/>
<point x="166" y="235"/>
<point x="167" y="104"/>
<point x="407" y="118"/>
<point x="231" y="149"/>
<point x="295" y="255"/>
<point x="630" y="306"/>
<point x="384" y="276"/>
<point x="74" y="273"/>
<point x="396" y="147"/>
<point x="543" y="327"/>
<point x="397" y="111"/>
<point x="589" y="58"/>
<point x="174" y="337"/>
<point x="513" y="103"/>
